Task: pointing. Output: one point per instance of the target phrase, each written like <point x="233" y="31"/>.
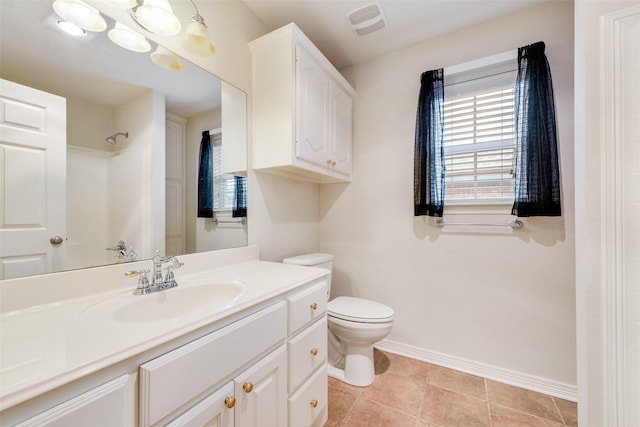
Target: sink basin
<point x="171" y="303"/>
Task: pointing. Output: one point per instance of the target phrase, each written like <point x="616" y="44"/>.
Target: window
<point x="479" y="135"/>
<point x="224" y="185"/>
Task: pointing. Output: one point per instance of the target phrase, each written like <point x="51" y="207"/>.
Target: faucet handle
<point x="175" y="263"/>
<point x="143" y="281"/>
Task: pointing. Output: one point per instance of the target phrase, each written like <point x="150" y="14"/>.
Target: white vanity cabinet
<point x="302" y="109"/>
<point x="262" y="365"/>
<point x="307" y="348"/>
<point x="172" y="383"/>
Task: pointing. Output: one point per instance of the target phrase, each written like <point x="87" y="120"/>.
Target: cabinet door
<point x="261" y="392"/>
<point x="341" y="132"/>
<point x="108" y="405"/>
<point x="217" y="410"/>
<point x="312" y="96"/>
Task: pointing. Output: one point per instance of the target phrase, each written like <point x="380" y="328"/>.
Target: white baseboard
<point x="518" y="379"/>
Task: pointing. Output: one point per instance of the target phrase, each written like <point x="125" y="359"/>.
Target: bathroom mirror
<point x="133" y="132"/>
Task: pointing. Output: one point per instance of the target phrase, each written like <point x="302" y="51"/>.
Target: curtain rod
<point x="516" y="224"/>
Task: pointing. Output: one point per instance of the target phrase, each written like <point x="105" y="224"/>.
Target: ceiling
<point x="409" y="22"/>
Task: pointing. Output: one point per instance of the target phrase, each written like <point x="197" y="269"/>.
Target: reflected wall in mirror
<point x="122" y="179"/>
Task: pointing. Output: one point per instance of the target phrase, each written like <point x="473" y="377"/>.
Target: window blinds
<point x="223" y="184"/>
<point x="479" y="141"/>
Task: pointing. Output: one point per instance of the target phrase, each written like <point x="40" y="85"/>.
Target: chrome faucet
<point x="121" y="252"/>
<point x="158" y="282"/>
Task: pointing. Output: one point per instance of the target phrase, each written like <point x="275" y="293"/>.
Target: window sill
<point x="482" y="207"/>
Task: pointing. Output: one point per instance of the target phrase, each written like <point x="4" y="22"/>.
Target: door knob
<point x="56" y="240"/>
<point x="247" y="387"/>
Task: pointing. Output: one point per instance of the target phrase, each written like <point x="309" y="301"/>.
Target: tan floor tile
<point x="450" y="409"/>
<point x="366" y="413"/>
<point x="340" y="403"/>
<point x="335" y="384"/>
<point x="505" y="417"/>
<point x="457" y="381"/>
<point x="530" y="402"/>
<point x="568" y="410"/>
<point x="399" y="365"/>
<point x="397" y="391"/>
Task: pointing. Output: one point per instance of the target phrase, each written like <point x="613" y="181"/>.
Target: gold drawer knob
<point x="230" y="402"/>
<point x="314" y="403"/>
<point x="314" y="351"/>
<point x="313" y="306"/>
<point x="247" y="387"/>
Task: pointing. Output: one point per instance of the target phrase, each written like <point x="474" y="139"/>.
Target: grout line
<point x="555" y="404"/>
<point x="486" y="393"/>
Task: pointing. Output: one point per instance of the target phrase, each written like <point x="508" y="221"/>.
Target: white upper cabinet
<point x="302" y="109"/>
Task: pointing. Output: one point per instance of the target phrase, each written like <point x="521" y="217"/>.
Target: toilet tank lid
<point x="309" y="259"/>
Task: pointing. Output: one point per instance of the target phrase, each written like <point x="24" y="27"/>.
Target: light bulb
<point x="81" y="14"/>
<point x="196" y="38"/>
<point x="125" y="37"/>
<point x="157" y="17"/>
<point x="167" y="59"/>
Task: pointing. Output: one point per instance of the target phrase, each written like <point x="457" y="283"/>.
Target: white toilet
<point x="355" y="324"/>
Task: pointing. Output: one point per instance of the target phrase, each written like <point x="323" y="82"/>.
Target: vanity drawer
<point x="176" y="378"/>
<point x="307" y="305"/>
<point x="307" y="351"/>
<point x="308" y="406"/>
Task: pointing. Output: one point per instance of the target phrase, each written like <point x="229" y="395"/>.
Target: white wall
<point x="503" y="300"/>
<point x="87" y="210"/>
<point x="137" y="176"/>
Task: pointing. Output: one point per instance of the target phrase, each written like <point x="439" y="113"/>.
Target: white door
<point x="32" y="180"/>
<point x="175" y="233"/>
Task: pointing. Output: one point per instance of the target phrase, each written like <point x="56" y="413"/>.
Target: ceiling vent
<point x="367" y="19"/>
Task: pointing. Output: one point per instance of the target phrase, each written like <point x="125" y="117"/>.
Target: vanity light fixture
<point x="167" y="59"/>
<point x="196" y="39"/>
<point x="156" y="16"/>
<point x="81" y="14"/>
<point x="125" y="37"/>
<point x="122" y="4"/>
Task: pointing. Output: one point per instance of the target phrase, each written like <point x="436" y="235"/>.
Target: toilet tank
<point x="318" y="260"/>
<point x="312" y="260"/>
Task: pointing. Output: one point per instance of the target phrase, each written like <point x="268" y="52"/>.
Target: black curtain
<point x="205" y="178"/>
<point x="428" y="178"/>
<point x="240" y="199"/>
<point x="537" y="175"/>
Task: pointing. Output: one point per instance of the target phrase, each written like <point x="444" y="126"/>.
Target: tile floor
<point x="411" y="393"/>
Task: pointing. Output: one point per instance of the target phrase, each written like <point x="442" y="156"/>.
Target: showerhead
<point x="112" y="139"/>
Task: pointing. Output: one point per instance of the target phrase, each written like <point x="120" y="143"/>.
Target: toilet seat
<point x="359" y="310"/>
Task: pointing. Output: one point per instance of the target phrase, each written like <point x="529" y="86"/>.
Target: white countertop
<point x="48" y="345"/>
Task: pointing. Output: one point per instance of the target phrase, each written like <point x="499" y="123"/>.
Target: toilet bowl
<point x="355" y="325"/>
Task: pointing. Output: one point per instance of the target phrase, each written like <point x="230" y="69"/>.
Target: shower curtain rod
<point x="516" y="224"/>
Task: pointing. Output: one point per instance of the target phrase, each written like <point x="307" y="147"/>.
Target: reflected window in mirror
<point x="229" y="191"/>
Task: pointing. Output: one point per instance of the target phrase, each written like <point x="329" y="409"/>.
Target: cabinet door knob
<point x="329" y="162"/>
<point x="313" y="306"/>
<point x="314" y="403"/>
<point x="314" y="351"/>
<point x="247" y="387"/>
<point x="230" y="402"/>
<point x="333" y="163"/>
